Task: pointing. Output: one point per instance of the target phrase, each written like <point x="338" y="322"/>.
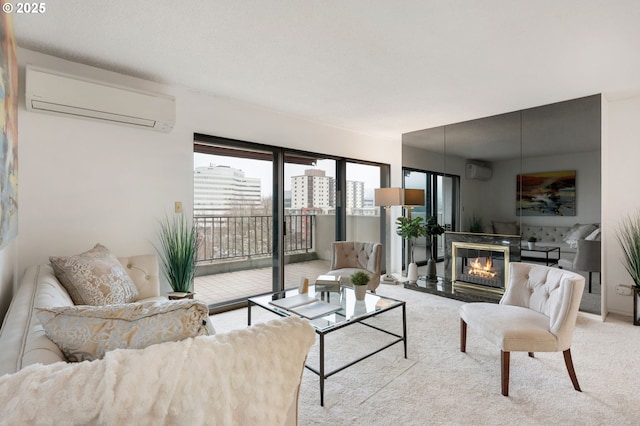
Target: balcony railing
<point x="229" y="237"/>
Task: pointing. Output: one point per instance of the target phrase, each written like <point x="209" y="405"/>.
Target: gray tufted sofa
<point x="556" y="236"/>
<point x="550" y="236"/>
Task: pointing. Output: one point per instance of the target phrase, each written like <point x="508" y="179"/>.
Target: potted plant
<point x="531" y="242"/>
<point x="359" y="279"/>
<point x="475" y="224"/>
<point x="628" y="236"/>
<point x="178" y="250"/>
<point x="410" y="229"/>
<point x="432" y="229"/>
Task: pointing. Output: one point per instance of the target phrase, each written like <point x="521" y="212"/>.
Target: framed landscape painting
<point x="8" y="132"/>
<point x="546" y="194"/>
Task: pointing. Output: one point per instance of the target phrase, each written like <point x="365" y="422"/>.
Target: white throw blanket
<point x="245" y="377"/>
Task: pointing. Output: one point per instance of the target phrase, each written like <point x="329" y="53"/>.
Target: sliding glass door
<point x="441" y="195"/>
<point x="362" y="217"/>
<point x="309" y="216"/>
<point x="268" y="216"/>
<point x="232" y="207"/>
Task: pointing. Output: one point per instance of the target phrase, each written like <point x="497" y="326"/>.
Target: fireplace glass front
<point x="480" y="267"/>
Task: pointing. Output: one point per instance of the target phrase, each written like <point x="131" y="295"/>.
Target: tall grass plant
<point x="178" y="251"/>
<point x="628" y="236"/>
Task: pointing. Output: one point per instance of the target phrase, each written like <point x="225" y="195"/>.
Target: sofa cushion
<point x="578" y="232"/>
<point x="94" y="277"/>
<point x="87" y="332"/>
<point x="506" y="228"/>
<point x="594" y="236"/>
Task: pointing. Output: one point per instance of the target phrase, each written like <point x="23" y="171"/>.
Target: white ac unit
<point x="478" y="171"/>
<point x="62" y="94"/>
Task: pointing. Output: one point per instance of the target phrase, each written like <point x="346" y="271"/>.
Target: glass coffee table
<point x="346" y="311"/>
<point x="548" y="261"/>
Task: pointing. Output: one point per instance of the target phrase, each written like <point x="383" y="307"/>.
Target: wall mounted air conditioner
<point x="478" y="171"/>
<point x="62" y="94"/>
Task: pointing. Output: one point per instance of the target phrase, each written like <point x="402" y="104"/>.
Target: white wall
<point x="620" y="177"/>
<point x="83" y="182"/>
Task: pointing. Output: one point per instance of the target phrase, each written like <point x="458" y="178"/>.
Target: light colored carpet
<point x="437" y="384"/>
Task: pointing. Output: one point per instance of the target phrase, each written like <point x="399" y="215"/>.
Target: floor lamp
<point x="386" y="198"/>
<point x="412" y="198"/>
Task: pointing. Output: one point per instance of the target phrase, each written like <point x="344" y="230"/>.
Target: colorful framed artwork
<point x="546" y="194"/>
<point x="8" y="132"/>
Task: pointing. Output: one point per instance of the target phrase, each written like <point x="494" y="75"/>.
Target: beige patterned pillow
<point x="87" y="332"/>
<point x="94" y="277"/>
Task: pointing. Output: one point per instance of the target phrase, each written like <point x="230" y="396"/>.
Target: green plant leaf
<point x="178" y="251"/>
<point x="628" y="236"/>
<point x="359" y="278"/>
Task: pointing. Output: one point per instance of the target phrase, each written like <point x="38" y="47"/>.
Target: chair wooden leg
<point x="463" y="336"/>
<point x="572" y="372"/>
<point x="504" y="364"/>
<point x="530" y="354"/>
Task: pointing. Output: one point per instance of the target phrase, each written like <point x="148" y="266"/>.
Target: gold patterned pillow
<point x="87" y="332"/>
<point x="94" y="277"/>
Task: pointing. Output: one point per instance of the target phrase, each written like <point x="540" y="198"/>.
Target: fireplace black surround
<point x="461" y="281"/>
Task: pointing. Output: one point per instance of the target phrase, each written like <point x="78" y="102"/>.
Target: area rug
<point x="437" y="384"/>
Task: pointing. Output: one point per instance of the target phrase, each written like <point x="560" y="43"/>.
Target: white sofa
<point x="22" y="338"/>
<point x="24" y="345"/>
<point x="548" y="236"/>
<point x="558" y="236"/>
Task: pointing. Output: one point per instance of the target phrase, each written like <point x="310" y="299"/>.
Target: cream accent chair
<point x="537" y="313"/>
<point x="350" y="256"/>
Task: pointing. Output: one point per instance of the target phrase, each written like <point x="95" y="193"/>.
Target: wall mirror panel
<point x="555" y="148"/>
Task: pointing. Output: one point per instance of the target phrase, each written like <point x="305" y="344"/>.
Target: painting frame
<point x="546" y="194"/>
<point x="8" y="131"/>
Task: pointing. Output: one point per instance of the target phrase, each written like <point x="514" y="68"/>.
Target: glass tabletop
<point x="542" y="249"/>
<point x="344" y="301"/>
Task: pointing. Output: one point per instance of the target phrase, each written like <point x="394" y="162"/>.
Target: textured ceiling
<point x="380" y="67"/>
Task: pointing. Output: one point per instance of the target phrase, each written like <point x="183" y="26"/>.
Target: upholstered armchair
<point x="350" y="256"/>
<point x="537" y="313"/>
<point x="588" y="258"/>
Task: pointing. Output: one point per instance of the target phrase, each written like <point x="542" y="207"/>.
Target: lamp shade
<point x="413" y="197"/>
<point x="388" y="196"/>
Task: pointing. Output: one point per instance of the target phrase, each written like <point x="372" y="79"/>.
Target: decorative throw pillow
<point x="94" y="277"/>
<point x="578" y="232"/>
<point x="506" y="228"/>
<point x="594" y="236"/>
<point x="87" y="332"/>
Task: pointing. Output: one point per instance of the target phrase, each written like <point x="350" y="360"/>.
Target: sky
<point x="370" y="175"/>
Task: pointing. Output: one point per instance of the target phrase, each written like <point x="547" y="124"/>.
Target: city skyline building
<point x="313" y="190"/>
<point x="222" y="189"/>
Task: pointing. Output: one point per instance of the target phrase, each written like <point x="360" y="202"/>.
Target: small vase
<point x="176" y="295"/>
<point x="360" y="290"/>
<point x="412" y="273"/>
<point x="432" y="273"/>
<point x="531" y="245"/>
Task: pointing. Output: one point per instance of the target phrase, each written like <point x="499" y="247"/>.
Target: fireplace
<point x="479" y="267"/>
<point x="487" y="281"/>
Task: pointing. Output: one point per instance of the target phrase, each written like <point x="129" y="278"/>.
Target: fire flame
<point x="480" y="270"/>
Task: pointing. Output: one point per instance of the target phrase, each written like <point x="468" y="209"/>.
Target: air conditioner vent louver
<point x="61" y="94"/>
<point x="478" y="171"/>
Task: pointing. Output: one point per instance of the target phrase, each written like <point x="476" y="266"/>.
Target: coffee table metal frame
<point x="546" y="250"/>
<point x="263" y="302"/>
